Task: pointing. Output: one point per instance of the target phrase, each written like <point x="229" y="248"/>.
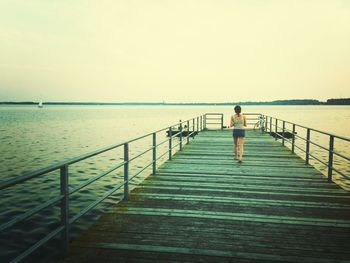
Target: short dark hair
<point x="238" y="109"/>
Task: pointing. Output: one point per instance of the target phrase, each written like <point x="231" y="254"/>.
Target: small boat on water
<point x="286" y="135"/>
<point x="40" y="105"/>
<point x="184" y="133"/>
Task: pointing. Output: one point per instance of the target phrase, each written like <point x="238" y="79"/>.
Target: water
<point x="32" y="138"/>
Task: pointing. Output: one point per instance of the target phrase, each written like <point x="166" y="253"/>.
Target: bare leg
<point x="241" y="147"/>
<point x="235" y="147"/>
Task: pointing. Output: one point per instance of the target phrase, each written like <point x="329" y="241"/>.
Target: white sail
<point x="40" y="105"/>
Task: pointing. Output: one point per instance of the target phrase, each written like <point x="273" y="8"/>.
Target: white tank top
<point x="238" y="122"/>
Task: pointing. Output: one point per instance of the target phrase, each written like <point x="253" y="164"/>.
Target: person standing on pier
<point x="239" y="123"/>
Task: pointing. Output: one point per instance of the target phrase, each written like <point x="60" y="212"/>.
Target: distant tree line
<point x="343" y="101"/>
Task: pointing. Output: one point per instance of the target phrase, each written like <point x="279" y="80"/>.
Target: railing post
<point x="270" y="125"/>
<point x="170" y="142"/>
<point x="197" y="124"/>
<point x="188" y="132"/>
<point x="64" y="207"/>
<point x="293" y="139"/>
<point x="283" y="131"/>
<point x="201" y="126"/>
<point x="180" y="133"/>
<point x="193" y="128"/>
<point x="307" y="150"/>
<point x="265" y="123"/>
<point x="154" y="153"/>
<point x="222" y="121"/>
<point x="205" y="121"/>
<point x="330" y="158"/>
<point x="276" y="122"/>
<point x="126" y="170"/>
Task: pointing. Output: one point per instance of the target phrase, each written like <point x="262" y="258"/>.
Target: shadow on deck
<point x="204" y="206"/>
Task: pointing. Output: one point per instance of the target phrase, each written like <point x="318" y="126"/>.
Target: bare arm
<point x="231" y="122"/>
<point x="244" y="121"/>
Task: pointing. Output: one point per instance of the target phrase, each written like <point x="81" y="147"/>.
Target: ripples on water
<point x="32" y="138"/>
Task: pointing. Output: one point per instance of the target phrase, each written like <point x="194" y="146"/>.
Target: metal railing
<point x="279" y="129"/>
<point x="217" y="119"/>
<point x="213" y="119"/>
<point x="191" y="126"/>
<point x="253" y="119"/>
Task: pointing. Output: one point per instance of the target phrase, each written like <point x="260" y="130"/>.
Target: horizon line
<point x="288" y="101"/>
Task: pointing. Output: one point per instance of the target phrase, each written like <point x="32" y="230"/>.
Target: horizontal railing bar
<point x="213" y="123"/>
<point x="91" y="180"/>
<point x="94" y="204"/>
<point x="252" y="122"/>
<point x="214" y="113"/>
<point x="288" y="140"/>
<point x="175" y="134"/>
<point x="190" y="134"/>
<point x="320" y="146"/>
<point x="175" y="145"/>
<point x="219" y="119"/>
<point x="249" y="123"/>
<point x="304" y="139"/>
<point x="341" y="173"/>
<point x="141" y="171"/>
<point x="279" y="135"/>
<point x="312" y="129"/>
<point x="316" y="158"/>
<point x="288" y="130"/>
<point x="162" y="142"/>
<point x="301" y="149"/>
<point x="38" y="244"/>
<point x="340" y="155"/>
<point x="31" y="212"/>
<point x="161" y="155"/>
<point x="142" y="153"/>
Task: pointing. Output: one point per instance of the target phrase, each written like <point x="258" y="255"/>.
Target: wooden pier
<point x="202" y="206"/>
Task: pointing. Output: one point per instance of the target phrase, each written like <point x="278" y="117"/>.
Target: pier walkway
<point x="202" y="206"/>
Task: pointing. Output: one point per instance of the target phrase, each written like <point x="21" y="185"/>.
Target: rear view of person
<point x="239" y="123"/>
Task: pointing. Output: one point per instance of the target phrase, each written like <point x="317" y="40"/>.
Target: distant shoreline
<point x="343" y="101"/>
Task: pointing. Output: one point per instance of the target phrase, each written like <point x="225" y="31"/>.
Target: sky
<point x="174" y="51"/>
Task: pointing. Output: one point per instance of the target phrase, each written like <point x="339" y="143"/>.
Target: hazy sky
<point x="179" y="50"/>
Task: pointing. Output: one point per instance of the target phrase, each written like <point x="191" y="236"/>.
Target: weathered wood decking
<point x="204" y="207"/>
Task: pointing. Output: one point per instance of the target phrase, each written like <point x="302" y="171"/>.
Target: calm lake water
<point x="31" y="138"/>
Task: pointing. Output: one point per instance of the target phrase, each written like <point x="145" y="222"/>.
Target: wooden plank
<point x="205" y="252"/>
<point x="235" y="216"/>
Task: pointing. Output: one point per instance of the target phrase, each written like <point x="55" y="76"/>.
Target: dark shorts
<point x="238" y="133"/>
